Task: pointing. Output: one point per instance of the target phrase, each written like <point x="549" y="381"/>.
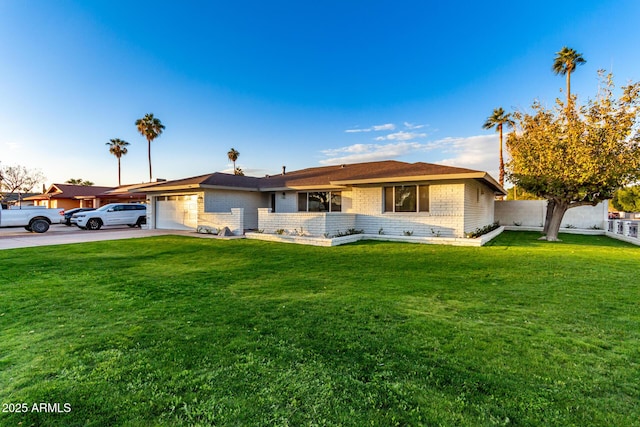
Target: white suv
<point x="131" y="214"/>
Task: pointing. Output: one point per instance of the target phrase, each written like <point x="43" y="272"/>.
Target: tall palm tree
<point x="150" y="127"/>
<point x="118" y="148"/>
<point x="498" y="120"/>
<point x="564" y="63"/>
<point x="233" y="155"/>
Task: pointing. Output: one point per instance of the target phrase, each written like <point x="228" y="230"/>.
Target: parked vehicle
<point x="131" y="214"/>
<point x="68" y="214"/>
<point x="36" y="220"/>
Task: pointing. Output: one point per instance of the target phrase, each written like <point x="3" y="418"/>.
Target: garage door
<point x="179" y="212"/>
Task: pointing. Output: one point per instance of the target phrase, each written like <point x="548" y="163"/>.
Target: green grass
<point x="183" y="331"/>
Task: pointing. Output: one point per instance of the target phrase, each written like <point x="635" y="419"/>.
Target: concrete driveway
<point x="58" y="234"/>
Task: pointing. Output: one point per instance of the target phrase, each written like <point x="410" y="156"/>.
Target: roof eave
<point x="482" y="176"/>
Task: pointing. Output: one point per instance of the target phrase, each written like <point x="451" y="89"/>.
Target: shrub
<point x="483" y="230"/>
<point x="349" y="232"/>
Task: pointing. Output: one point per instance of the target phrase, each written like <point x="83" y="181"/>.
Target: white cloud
<point x="12" y="146"/>
<point x="388" y="126"/>
<point x="372" y="152"/>
<point x="376" y="128"/>
<point x="410" y="126"/>
<point x="474" y="152"/>
<point x="401" y="136"/>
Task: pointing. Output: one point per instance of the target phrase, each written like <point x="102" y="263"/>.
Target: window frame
<point x="422" y="193"/>
<point x="331" y="197"/>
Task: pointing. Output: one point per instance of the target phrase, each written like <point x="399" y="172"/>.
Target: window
<point x="320" y="201"/>
<point x="406" y="198"/>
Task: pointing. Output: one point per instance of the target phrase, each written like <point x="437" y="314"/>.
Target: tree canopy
<point x="118" y="148"/>
<point x="565" y="63"/>
<point x="18" y="178"/>
<point x="576" y="155"/>
<point x="499" y="119"/>
<point x="627" y="199"/>
<point x="79" y="181"/>
<point x="150" y="127"/>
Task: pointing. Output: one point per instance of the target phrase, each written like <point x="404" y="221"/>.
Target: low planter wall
<point x="336" y="241"/>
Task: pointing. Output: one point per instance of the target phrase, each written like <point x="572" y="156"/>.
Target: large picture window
<point x="406" y="198"/>
<point x="320" y="201"/>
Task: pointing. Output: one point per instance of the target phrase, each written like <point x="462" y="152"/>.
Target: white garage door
<point x="179" y="212"/>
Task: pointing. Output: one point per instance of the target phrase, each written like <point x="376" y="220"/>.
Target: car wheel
<point x="28" y="228"/>
<point x="94" y="224"/>
<point x="39" y="226"/>
<point x="141" y="221"/>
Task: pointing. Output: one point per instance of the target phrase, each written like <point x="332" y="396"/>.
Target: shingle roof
<point x="69" y="191"/>
<point x="370" y="171"/>
<point x="331" y="176"/>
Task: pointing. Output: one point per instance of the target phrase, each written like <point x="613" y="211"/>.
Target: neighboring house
<point x="387" y="197"/>
<point x="16" y="199"/>
<point x="68" y="196"/>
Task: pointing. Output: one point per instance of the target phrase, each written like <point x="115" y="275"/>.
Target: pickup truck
<point x="31" y="218"/>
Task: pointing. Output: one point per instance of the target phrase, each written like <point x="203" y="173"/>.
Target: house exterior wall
<point x="222" y="201"/>
<point x="444" y="219"/>
<point x="363" y="209"/>
<point x="286" y="202"/>
<point x="479" y="202"/>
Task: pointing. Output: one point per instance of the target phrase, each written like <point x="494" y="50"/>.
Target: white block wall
<point x="479" y="202"/>
<point x="222" y="201"/>
<point x="444" y="219"/>
<point x="532" y="213"/>
<point x="233" y="219"/>
<point x="312" y="223"/>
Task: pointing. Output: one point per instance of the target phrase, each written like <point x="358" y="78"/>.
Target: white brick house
<point x="389" y="197"/>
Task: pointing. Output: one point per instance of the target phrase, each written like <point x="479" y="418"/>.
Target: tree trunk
<point x="547" y="219"/>
<point x="559" y="210"/>
<point x="149" y="151"/>
<point x="119" y="175"/>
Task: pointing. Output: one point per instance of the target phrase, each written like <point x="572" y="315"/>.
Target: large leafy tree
<point x="233" y="155"/>
<point x="499" y="119"/>
<point x="150" y="127"/>
<point x="118" y="148"/>
<point x="627" y="199"/>
<point x="574" y="156"/>
<point x="565" y="63"/>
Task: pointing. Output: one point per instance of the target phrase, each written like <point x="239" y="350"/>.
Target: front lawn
<point x="185" y="331"/>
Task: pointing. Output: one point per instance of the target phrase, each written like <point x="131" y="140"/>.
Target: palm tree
<point x="78" y="181"/>
<point x="498" y="120"/>
<point x="150" y="127"/>
<point x="118" y="148"/>
<point x="564" y="63"/>
<point x="233" y="155"/>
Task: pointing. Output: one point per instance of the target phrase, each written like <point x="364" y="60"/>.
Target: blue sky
<point x="293" y="83"/>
